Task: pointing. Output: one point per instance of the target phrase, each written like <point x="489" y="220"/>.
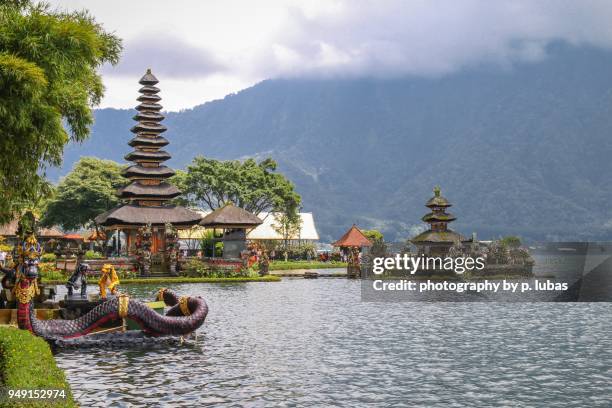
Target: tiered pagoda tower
<point x="147" y="210"/>
<point x="438" y="239"/>
<point x="148" y="175"/>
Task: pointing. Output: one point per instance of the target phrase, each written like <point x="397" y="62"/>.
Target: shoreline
<point x="177" y="279"/>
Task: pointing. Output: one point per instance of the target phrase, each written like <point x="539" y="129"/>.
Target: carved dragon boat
<point x="185" y="316"/>
<point x="186" y="313"/>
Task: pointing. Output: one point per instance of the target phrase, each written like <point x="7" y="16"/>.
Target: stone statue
<point x="172" y="248"/>
<point x="264" y="263"/>
<point x="78" y="280"/>
<point x="108" y="279"/>
<point x="143" y="249"/>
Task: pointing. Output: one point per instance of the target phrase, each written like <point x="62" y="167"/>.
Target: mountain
<point x="519" y="150"/>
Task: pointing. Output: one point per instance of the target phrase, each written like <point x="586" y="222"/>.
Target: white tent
<point x="308" y="231"/>
<point x="267" y="230"/>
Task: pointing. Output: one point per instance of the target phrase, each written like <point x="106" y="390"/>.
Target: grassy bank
<point x="291" y="265"/>
<point x="26" y="362"/>
<point x="178" y="279"/>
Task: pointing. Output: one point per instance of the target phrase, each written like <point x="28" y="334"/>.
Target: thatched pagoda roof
<point x="138" y="215"/>
<point x="353" y="238"/>
<point x="137" y="171"/>
<point x="437" y="200"/>
<point x="163" y="189"/>
<point x="438" y="237"/>
<point x="149" y="192"/>
<point x="230" y="216"/>
<point x="439" y="217"/>
<point x="148" y="141"/>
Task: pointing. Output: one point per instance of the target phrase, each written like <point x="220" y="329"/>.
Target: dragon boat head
<point x="29" y="269"/>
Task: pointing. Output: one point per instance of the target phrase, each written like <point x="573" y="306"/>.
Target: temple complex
<point x="147" y="218"/>
<point x="438" y="239"/>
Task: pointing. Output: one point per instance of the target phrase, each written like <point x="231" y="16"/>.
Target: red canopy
<point x="73" y="236"/>
<point x="353" y="238"/>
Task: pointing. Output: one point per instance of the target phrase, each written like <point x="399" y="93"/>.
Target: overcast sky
<point x="203" y="50"/>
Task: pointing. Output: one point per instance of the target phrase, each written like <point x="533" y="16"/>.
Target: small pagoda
<point x="353" y="238"/>
<point x="351" y="243"/>
<point x="147" y="218"/>
<point x="438" y="239"/>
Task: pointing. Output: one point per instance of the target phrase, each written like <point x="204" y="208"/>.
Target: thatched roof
<point x="353" y="238"/>
<point x="148" y="78"/>
<point x="148" y="141"/>
<point x="148" y="172"/>
<point x="10" y="230"/>
<point x="148" y="127"/>
<point x="230" y="216"/>
<point x="435" y="217"/>
<point x="162" y="191"/>
<point x="149" y="106"/>
<point x="160" y="155"/>
<point x="138" y="215"/>
<point x="437" y="200"/>
<point x="441" y="237"/>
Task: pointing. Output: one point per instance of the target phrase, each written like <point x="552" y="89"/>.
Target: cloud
<point x="167" y="56"/>
<point x="424" y="37"/>
<point x="225" y="44"/>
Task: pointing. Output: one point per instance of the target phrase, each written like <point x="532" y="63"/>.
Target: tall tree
<point x="288" y="224"/>
<point x="87" y="191"/>
<point x="256" y="187"/>
<point x="48" y="78"/>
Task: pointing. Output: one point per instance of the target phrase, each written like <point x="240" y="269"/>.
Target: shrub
<point x="93" y="255"/>
<point x="26" y="362"/>
<point x="207" y="241"/>
<point x="48" y="271"/>
<point x="195" y="268"/>
<point x="48" y="257"/>
<point x="302" y="251"/>
<point x="511" y="241"/>
<point x="4" y="247"/>
<point x="124" y="273"/>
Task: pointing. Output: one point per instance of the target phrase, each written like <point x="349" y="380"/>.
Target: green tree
<point x="256" y="187"/>
<point x="511" y="241"/>
<point x="373" y="235"/>
<point x="379" y="246"/>
<point x="48" y="79"/>
<point x="87" y="191"/>
<point x="288" y="224"/>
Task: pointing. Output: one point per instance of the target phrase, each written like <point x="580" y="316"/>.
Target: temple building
<point x="438" y="239"/>
<point x="235" y="222"/>
<point x="352" y="243"/>
<point x="353" y="238"/>
<point x="147" y="218"/>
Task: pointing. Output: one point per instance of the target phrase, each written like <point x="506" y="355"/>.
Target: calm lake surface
<point x="314" y="343"/>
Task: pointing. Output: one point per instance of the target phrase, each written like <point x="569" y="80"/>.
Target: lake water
<point x="314" y="343"/>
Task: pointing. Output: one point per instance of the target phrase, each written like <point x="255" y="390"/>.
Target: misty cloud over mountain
<point x="518" y="151"/>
